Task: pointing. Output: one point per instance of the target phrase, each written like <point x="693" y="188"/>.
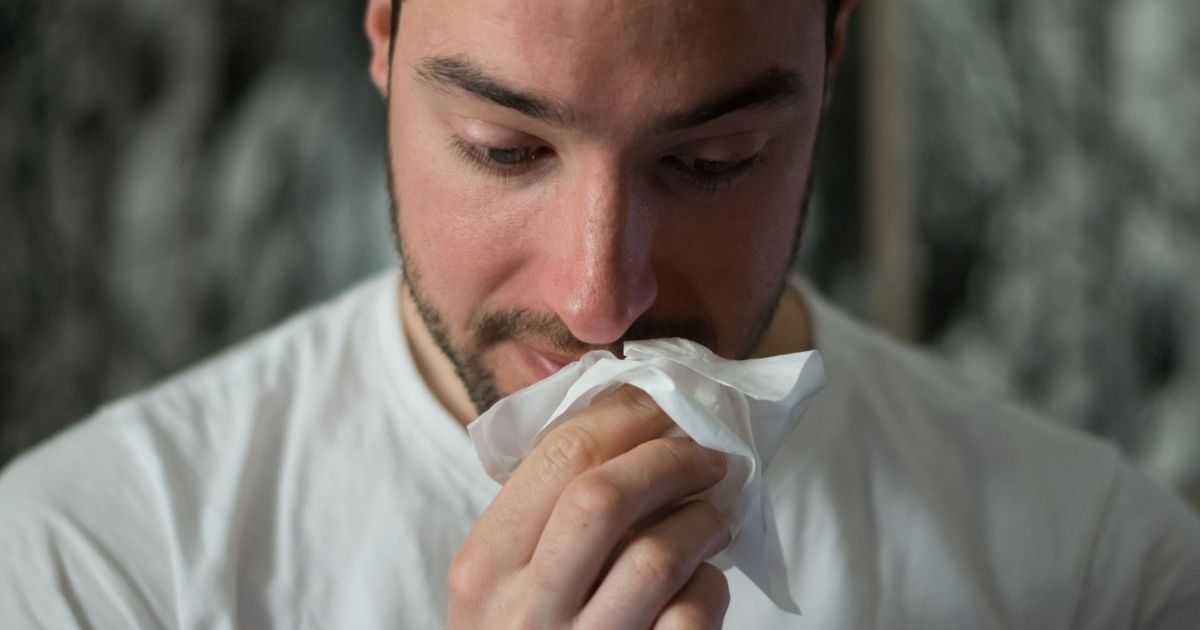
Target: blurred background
<point x="1012" y="184"/>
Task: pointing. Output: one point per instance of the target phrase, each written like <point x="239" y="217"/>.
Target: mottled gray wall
<point x="1068" y="148"/>
<point x="176" y="174"/>
<point x="1057" y="161"/>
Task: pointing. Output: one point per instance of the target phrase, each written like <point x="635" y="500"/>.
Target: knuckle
<point x="634" y="403"/>
<point x="637" y="403"/>
<point x="635" y="398"/>
<point x="657" y="563"/>
<point x="467" y="578"/>
<point x="697" y="461"/>
<point x="682" y="451"/>
<point x="568" y="451"/>
<point x="593" y="499"/>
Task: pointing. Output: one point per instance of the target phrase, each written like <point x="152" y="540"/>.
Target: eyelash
<point x="477" y="155"/>
<point x="710" y="183"/>
<point x="707" y="184"/>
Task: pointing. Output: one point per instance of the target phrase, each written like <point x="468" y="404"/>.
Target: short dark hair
<point x="831" y="9"/>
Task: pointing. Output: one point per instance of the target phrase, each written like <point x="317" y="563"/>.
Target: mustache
<point x="513" y="324"/>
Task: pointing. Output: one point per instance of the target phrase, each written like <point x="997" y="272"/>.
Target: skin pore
<point x="570" y="175"/>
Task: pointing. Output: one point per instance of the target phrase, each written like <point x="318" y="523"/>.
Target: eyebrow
<point x="461" y="73"/>
<point x="774" y="87"/>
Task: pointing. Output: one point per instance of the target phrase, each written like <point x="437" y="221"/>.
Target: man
<point x="567" y="175"/>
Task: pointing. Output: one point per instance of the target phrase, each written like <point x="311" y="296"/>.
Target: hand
<point x="589" y="533"/>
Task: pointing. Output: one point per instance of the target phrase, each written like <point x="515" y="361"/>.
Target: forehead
<point x="619" y="58"/>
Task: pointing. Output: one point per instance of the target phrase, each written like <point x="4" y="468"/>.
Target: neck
<point x="790" y="329"/>
<point x="432" y="364"/>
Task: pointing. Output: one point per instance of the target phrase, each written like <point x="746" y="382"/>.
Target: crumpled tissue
<point x="742" y="408"/>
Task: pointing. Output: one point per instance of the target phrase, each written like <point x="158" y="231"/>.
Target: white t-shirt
<point x="309" y="479"/>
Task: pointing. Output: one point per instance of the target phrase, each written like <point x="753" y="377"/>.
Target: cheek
<point x="755" y="251"/>
<point x="732" y="256"/>
<point x="767" y="216"/>
<point x="458" y="234"/>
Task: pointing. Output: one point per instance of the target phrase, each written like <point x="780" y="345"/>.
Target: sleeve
<point x="1144" y="570"/>
<point x="79" y="547"/>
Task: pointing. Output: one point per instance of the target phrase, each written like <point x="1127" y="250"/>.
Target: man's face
<point x="568" y="175"/>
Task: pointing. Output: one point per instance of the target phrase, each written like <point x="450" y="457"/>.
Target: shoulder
<point x="903" y="399"/>
<point x="309" y="347"/>
<point x="1040" y="516"/>
<point x="212" y="406"/>
<point x="110" y="511"/>
<point x="58" y="538"/>
<point x="1144" y="569"/>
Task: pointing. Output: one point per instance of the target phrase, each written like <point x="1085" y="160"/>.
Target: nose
<point x="602" y="278"/>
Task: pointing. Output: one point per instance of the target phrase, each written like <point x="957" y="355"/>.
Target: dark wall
<point x="177" y="174"/>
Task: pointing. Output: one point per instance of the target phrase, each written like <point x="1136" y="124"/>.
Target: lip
<point x="542" y="364"/>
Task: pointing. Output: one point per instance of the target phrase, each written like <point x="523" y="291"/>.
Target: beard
<point x="491" y="328"/>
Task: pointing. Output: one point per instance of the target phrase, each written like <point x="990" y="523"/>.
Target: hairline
<point x="831" y="7"/>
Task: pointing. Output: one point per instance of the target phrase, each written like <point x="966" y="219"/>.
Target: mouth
<point x="543" y="363"/>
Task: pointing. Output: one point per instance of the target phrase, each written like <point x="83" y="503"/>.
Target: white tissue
<point x="742" y="408"/>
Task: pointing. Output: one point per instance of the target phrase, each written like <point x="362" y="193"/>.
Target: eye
<point x="503" y="161"/>
<point x="709" y="168"/>
<point x="708" y="175"/>
<point x="510" y="157"/>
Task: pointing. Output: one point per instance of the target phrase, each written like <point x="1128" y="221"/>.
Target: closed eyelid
<point x="487" y="134"/>
<point x="729" y="149"/>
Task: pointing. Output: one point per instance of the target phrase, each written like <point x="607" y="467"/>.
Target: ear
<point x="838" y="40"/>
<point x="378" y="26"/>
<point x="839" y="36"/>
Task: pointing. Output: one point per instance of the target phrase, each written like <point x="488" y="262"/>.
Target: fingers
<point x="599" y="508"/>
<point x="508" y="531"/>
<point x="653" y="568"/>
<point x="540" y="549"/>
<point x="700" y="605"/>
<point x="611" y="426"/>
